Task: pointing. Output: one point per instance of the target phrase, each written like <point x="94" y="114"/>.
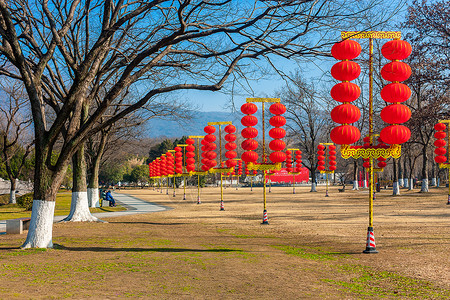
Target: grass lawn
<point x="13" y="211"/>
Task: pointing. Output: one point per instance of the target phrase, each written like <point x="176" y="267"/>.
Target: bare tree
<point x="65" y="54"/>
<point x="15" y="132"/>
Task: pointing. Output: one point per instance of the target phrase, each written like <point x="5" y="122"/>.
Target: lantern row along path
<point x="134" y="206"/>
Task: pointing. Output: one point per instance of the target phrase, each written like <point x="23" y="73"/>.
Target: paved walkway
<point x="134" y="206"/>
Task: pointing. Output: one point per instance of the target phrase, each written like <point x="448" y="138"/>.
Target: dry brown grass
<point x="311" y="249"/>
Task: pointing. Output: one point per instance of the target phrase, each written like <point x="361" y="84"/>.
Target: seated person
<point x="109" y="197"/>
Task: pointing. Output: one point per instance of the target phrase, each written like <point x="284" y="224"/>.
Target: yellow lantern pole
<point x="264" y="166"/>
<point x="371" y="153"/>
<point x="220" y="169"/>
<point x="293" y="173"/>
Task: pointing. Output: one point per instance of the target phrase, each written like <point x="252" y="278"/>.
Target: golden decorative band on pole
<point x="275" y="100"/>
<point x="263" y="167"/>
<point x="356" y="152"/>
<point x="196" y="136"/>
<point x="396" y="35"/>
<point x="220" y="123"/>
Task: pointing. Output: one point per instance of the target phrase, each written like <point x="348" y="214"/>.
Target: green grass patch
<point x="62" y="208"/>
<point x="311" y="253"/>
<point x="368" y="282"/>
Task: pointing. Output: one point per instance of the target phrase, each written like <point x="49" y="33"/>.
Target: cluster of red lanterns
<point x="230" y="146"/>
<point x="249" y="132"/>
<point x="239" y="167"/>
<point x="178" y="160"/>
<point x="152" y="171"/>
<point x="190" y="155"/>
<point x="162" y="165"/>
<point x="289" y="165"/>
<point x="326" y="161"/>
<point x="440" y="143"/>
<point x="346" y="70"/>
<point x="277" y="145"/>
<point x="170" y="164"/>
<point x="396" y="92"/>
<point x="208" y="154"/>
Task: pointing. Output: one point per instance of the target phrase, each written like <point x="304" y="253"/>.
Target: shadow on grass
<point x="149" y="223"/>
<point x="170" y="250"/>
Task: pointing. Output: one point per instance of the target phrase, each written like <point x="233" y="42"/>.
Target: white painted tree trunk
<point x="355" y="185"/>
<point x="411" y="184"/>
<point x="395" y="189"/>
<point x="365" y="184"/>
<point x="79" y="209"/>
<point x="12" y="197"/>
<point x="313" y="187"/>
<point x="41" y="225"/>
<point x="433" y="181"/>
<point x="424" y="186"/>
<point x="93" y="197"/>
<point x="405" y="182"/>
<point x="400" y="182"/>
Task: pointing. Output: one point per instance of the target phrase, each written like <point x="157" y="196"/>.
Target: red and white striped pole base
<point x="221" y="205"/>
<point x="198" y="200"/>
<point x="265" y="219"/>
<point x="370" y="244"/>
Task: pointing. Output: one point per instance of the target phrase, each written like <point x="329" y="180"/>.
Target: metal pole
<point x="293" y="183"/>
<point x="184" y="187"/>
<point x="173" y="183"/>
<point x="167" y="187"/>
<point x="326" y="191"/>
<point x="270" y="184"/>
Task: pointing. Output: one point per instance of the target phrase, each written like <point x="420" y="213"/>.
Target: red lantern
<point x="205" y="168"/>
<point x="396" y="71"/>
<point x="277" y="121"/>
<point x="249" y="120"/>
<point x="277" y="133"/>
<point x="190" y="161"/>
<point x="230" y="154"/>
<point x="345" y="114"/>
<point x="396" y="50"/>
<point x="231" y="163"/>
<point x="249" y="156"/>
<point x="321" y="163"/>
<point x="211" y="155"/>
<point x="395" y="92"/>
<point x="395" y="134"/>
<point x="321" y="152"/>
<point x="230" y="137"/>
<point x="331" y="148"/>
<point x="277" y="109"/>
<point x="190" y="141"/>
<point x="440" y="159"/>
<point x="249" y="144"/>
<point x="439" y="143"/>
<point x="346" y="49"/>
<point x="331" y="162"/>
<point x="231" y="146"/>
<point x="210" y="138"/>
<point x="230" y="128"/>
<point x="332" y="168"/>
<point x="345" y="134"/>
<point x="440" y="151"/>
<point x="277" y="145"/>
<point x="249" y="108"/>
<point x="321" y="157"/>
<point x="190" y="148"/>
<point x="212" y="163"/>
<point x="440" y="134"/>
<point x="440" y="126"/>
<point x="210" y="147"/>
<point x="345" y="92"/>
<point x="332" y="152"/>
<point x="277" y="157"/>
<point x="366" y="164"/>
<point x="345" y="70"/>
<point x="320" y="168"/>
<point x="382" y="164"/>
<point x="210" y="129"/>
<point x="331" y="157"/>
<point x="190" y="167"/>
<point x="249" y="132"/>
<point x="395" y="113"/>
<point x="190" y="154"/>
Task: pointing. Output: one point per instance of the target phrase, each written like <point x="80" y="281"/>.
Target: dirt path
<point x="311" y="249"/>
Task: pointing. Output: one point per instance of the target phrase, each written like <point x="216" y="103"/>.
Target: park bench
<point x="17" y="226"/>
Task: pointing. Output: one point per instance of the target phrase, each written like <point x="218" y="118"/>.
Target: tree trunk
<point x="424" y="186"/>
<point x="395" y="184"/>
<point x="405" y="175"/>
<point x="355" y="175"/>
<point x="400" y="173"/>
<point x="46" y="185"/>
<point x="12" y="191"/>
<point x="433" y="175"/>
<point x="79" y="208"/>
<point x="313" y="181"/>
<point x="93" y="192"/>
